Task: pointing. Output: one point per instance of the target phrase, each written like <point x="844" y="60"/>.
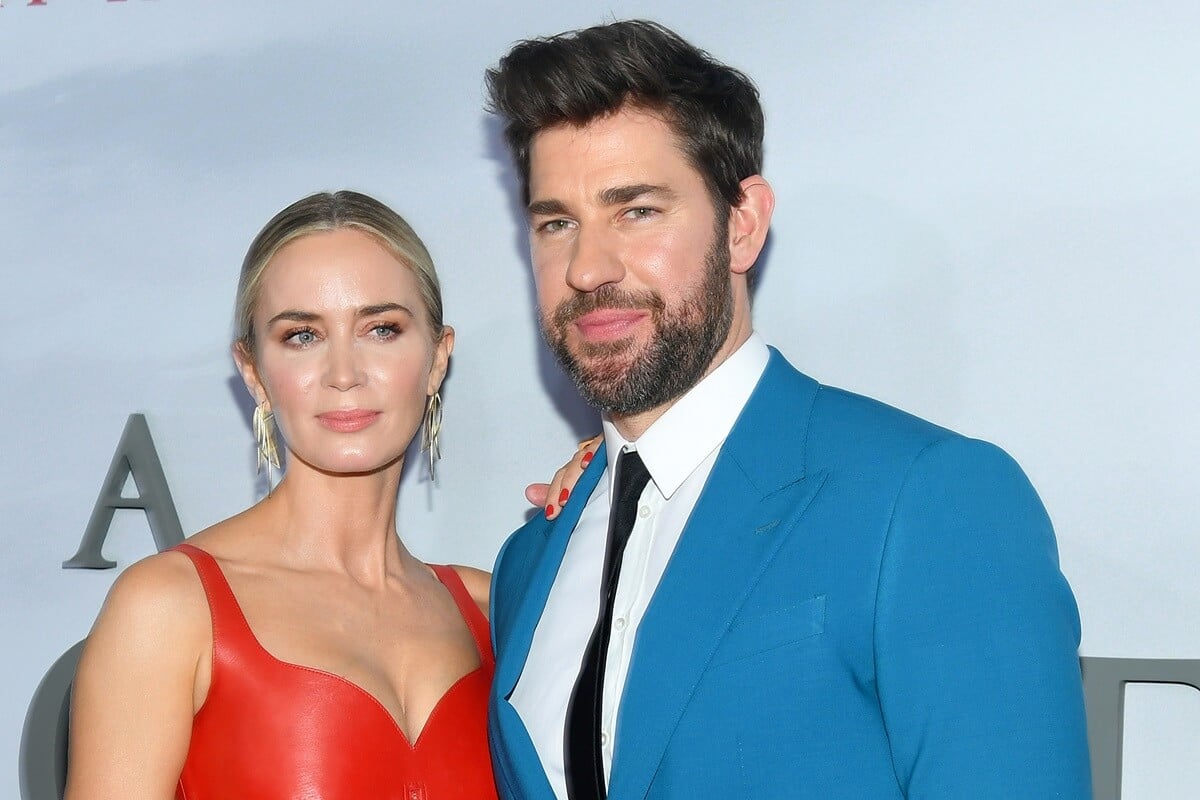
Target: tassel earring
<point x="263" y="426"/>
<point x="431" y="429"/>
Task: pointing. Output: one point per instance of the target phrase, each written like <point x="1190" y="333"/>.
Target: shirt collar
<point x="697" y="424"/>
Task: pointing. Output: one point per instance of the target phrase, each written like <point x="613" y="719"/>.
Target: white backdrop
<point x="988" y="217"/>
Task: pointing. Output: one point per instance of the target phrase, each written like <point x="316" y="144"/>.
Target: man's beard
<point x="621" y="378"/>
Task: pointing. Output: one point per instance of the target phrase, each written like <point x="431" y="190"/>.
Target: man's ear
<point x="249" y="372"/>
<point x="749" y="221"/>
<point x="441" y="360"/>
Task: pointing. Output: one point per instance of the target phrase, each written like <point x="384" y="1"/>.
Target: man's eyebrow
<point x="613" y="196"/>
<point x="618" y="195"/>
<point x="545" y="208"/>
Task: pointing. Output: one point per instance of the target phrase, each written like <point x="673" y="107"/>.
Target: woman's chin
<point x="354" y="464"/>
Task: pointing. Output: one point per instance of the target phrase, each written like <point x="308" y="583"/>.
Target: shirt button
<point x="604" y="739"/>
<point x="644" y="512"/>
<point x="619" y="624"/>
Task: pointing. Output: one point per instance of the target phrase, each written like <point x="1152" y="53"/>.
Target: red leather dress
<point x="270" y="730"/>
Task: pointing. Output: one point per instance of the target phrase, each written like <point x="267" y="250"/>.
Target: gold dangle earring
<point x="263" y="426"/>
<point x="431" y="429"/>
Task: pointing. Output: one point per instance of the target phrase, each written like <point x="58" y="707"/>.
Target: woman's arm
<point x="135" y="691"/>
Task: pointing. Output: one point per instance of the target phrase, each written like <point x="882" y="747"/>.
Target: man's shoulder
<point x="840" y="424"/>
<point x="847" y="411"/>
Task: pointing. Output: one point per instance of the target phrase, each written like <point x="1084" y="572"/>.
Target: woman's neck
<point x="343" y="523"/>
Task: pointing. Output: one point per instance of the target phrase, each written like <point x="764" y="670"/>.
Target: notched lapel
<point x="510" y="660"/>
<point x="733" y="536"/>
<point x="517" y="764"/>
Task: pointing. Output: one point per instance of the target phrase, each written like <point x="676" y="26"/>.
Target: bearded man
<point x="762" y="587"/>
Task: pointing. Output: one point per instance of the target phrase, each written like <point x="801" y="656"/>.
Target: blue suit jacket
<point x="862" y="606"/>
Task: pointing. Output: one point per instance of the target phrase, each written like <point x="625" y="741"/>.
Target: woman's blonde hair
<point x="329" y="211"/>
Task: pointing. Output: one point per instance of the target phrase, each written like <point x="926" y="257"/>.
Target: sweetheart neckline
<point x="412" y="744"/>
<point x="358" y="689"/>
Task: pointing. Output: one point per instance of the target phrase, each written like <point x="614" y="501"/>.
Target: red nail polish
<point x="587" y="458"/>
<point x="549" y="511"/>
<point x="562" y="496"/>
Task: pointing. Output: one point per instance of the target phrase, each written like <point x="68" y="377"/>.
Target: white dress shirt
<point x="679" y="450"/>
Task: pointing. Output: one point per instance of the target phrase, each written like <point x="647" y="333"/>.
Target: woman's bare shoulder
<point x="158" y="593"/>
<point x="478" y="583"/>
<point x="160" y="601"/>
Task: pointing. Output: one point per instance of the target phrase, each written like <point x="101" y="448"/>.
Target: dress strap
<point x="231" y="632"/>
<point x="476" y="621"/>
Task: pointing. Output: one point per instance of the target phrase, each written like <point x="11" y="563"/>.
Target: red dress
<point x="270" y="730"/>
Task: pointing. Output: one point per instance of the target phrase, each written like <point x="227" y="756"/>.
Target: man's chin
<point x="601" y="352"/>
<point x="607" y="366"/>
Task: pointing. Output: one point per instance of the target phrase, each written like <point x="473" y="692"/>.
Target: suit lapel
<point x="752" y="502"/>
<point x="513" y="651"/>
<point x="519" y="772"/>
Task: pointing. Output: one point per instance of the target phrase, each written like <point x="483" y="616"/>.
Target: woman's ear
<point x="749" y="222"/>
<point x="247" y="368"/>
<point x="441" y="360"/>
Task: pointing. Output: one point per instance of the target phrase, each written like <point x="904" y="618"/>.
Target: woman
<point x="298" y="650"/>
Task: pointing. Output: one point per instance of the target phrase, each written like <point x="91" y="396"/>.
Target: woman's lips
<point x="348" y="421"/>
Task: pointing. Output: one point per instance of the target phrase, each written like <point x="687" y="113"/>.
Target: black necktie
<point x="584" y="759"/>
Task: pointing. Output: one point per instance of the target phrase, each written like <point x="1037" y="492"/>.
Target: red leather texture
<point x="271" y="730"/>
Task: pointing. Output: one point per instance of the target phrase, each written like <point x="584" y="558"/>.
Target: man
<point x="762" y="587"/>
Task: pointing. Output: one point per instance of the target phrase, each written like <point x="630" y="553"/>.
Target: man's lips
<point x="348" y="420"/>
<point x="609" y="323"/>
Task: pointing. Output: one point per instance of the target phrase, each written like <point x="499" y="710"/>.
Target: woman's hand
<point x="554" y="495"/>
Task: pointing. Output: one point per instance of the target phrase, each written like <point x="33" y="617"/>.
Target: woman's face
<point x="345" y="356"/>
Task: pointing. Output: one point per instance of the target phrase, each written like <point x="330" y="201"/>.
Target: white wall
<point x="988" y="217"/>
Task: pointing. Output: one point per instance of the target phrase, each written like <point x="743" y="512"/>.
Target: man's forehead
<point x="627" y="120"/>
<point x="607" y="153"/>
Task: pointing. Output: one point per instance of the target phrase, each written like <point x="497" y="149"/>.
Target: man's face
<point x="630" y="259"/>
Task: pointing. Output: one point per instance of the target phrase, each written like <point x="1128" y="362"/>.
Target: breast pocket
<point x="756" y="632"/>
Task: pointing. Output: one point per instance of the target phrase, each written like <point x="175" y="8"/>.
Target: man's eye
<point x="554" y="225"/>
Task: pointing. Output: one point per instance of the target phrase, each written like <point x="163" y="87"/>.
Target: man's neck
<point x="632" y="426"/>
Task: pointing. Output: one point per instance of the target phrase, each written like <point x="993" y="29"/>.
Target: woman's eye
<point x="385" y="331"/>
<point x="302" y="338"/>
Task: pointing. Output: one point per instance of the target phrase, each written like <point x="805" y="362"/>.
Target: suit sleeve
<point x="497" y="603"/>
<point x="976" y="635"/>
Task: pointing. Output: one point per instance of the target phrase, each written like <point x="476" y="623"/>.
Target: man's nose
<point x="594" y="261"/>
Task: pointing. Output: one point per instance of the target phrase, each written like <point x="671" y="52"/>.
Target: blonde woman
<point x="298" y="650"/>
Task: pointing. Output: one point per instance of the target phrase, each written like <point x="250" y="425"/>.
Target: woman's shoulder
<point x="170" y="579"/>
<point x="162" y="596"/>
<point x="154" y="626"/>
<point x="160" y="592"/>
<point x="478" y="583"/>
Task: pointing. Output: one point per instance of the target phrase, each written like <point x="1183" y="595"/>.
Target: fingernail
<point x="587" y="458"/>
<point x="562" y="496"/>
<point x="549" y="511"/>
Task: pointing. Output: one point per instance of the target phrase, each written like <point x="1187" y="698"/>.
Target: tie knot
<point x="632" y="477"/>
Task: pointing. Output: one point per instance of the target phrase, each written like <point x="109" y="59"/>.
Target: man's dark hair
<point x="579" y="76"/>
